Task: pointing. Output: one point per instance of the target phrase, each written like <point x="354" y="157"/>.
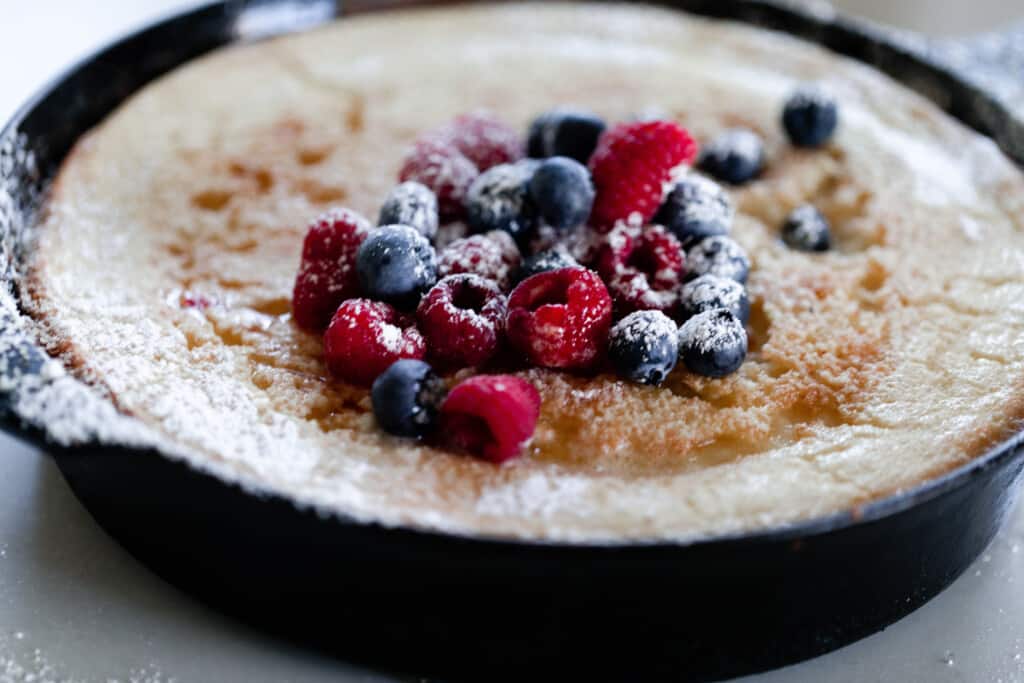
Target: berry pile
<point x="663" y="284"/>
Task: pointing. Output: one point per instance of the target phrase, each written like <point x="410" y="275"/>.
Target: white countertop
<point x="74" y="607"/>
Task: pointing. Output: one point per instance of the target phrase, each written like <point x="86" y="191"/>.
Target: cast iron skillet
<point x="477" y="608"/>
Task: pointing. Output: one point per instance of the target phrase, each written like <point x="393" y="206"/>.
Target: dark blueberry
<point x="566" y="133"/>
<point x="397" y="265"/>
<point x="499" y="199"/>
<point x="806" y="229"/>
<point x="562" y="193"/>
<point x="696" y="208"/>
<point x="412" y="204"/>
<point x="713" y="343"/>
<point x="643" y="347"/>
<point x="406" y="398"/>
<point x="736" y="156"/>
<point x="709" y="292"/>
<point x="542" y="262"/>
<point x="718" y="255"/>
<point x="810" y="117"/>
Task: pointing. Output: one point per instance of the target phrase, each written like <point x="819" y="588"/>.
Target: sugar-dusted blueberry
<point x="396" y="264"/>
<point x="564" y="132"/>
<point x="544" y="261"/>
<point x="407" y="397"/>
<point x="713" y="343"/>
<point x="810" y="116"/>
<point x="499" y="199"/>
<point x="695" y="208"/>
<point x="413" y="204"/>
<point x="735" y="156"/>
<point x="718" y="255"/>
<point x="643" y="347"/>
<point x="806" y="229"/>
<point x="709" y="292"/>
<point x="562" y="193"/>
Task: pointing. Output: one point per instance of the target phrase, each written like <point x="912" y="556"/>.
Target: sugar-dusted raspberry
<point x="644" y="269"/>
<point x="327" y="273"/>
<point x="438" y="164"/>
<point x="484" y="139"/>
<point x="631" y="166"/>
<point x="560" y="319"/>
<point x="463" y="321"/>
<point x="493" y="255"/>
<point x="364" y="339"/>
<point x="491" y="416"/>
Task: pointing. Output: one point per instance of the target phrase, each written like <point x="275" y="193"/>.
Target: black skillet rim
<point x="862" y="41"/>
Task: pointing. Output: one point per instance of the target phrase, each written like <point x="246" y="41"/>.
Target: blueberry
<point x="499" y="199"/>
<point x="806" y="229"/>
<point x="565" y="132"/>
<point x="643" y="347"/>
<point x="397" y="265"/>
<point x="713" y="343"/>
<point x="562" y="193"/>
<point x="709" y="292"/>
<point x="406" y="398"/>
<point x="810" y="117"/>
<point x="718" y="255"/>
<point x="736" y="156"/>
<point x="544" y="261"/>
<point x="696" y="208"/>
<point x="412" y="204"/>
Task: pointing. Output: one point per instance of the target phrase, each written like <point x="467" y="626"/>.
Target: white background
<point x="75" y="607"/>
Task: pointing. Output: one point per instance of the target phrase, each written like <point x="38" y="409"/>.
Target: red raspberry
<point x="630" y="167"/>
<point x="327" y="273"/>
<point x="492" y="416"/>
<point x="437" y="164"/>
<point x="644" y="270"/>
<point x="560" y="319"/>
<point x="463" y="320"/>
<point x="484" y="139"/>
<point x="364" y="339"/>
<point x="493" y="255"/>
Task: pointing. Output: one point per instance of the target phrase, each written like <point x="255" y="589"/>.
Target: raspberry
<point x="644" y="270"/>
<point x="463" y="321"/>
<point x="492" y="416"/>
<point x="327" y="273"/>
<point x="632" y="164"/>
<point x="560" y="319"/>
<point x="484" y="139"/>
<point x="493" y="255"/>
<point x="364" y="339"/>
<point x="444" y="169"/>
